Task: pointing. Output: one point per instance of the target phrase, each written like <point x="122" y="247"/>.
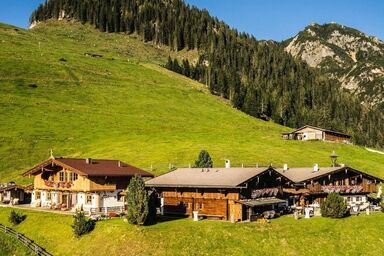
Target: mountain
<point x="85" y="93"/>
<point x="346" y="55"/>
<point x="257" y="77"/>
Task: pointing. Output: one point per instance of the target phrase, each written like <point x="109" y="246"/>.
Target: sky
<point x="264" y="19"/>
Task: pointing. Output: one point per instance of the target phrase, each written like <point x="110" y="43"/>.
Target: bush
<point x="382" y="205"/>
<point x="16" y="218"/>
<point x="334" y="206"/>
<point x="81" y="225"/>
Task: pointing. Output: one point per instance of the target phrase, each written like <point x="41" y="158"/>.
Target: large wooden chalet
<point x="238" y="194"/>
<point x="87" y="184"/>
<point x="227" y="193"/>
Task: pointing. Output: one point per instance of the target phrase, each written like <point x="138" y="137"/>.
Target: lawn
<point x="124" y="105"/>
<point x="11" y="246"/>
<point x="361" y="235"/>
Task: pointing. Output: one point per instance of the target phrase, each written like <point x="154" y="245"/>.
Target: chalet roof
<point x="304" y="174"/>
<point x="205" y="177"/>
<point x="11" y="187"/>
<point x="320" y="129"/>
<point x="94" y="167"/>
<point x="234" y="177"/>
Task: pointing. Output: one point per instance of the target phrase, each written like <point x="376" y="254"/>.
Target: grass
<point x="361" y="235"/>
<point x="11" y="246"/>
<point x="124" y="105"/>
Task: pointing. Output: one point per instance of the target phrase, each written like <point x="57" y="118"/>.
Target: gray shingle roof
<point x="307" y="173"/>
<point x="205" y="177"/>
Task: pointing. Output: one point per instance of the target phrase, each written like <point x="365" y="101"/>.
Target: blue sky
<point x="267" y="19"/>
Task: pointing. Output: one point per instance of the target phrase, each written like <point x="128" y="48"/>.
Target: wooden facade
<point x="344" y="180"/>
<point x="208" y="202"/>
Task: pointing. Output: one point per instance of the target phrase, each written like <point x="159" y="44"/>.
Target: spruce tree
<point x="137" y="201"/>
<point x="204" y="160"/>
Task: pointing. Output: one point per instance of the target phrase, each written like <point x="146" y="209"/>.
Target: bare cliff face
<point x="345" y="54"/>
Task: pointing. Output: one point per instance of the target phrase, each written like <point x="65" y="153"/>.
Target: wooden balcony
<point x="343" y="189"/>
<point x="105" y="187"/>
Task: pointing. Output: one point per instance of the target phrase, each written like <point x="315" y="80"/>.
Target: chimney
<point x="285" y="168"/>
<point x="316" y="168"/>
<point x="88" y="160"/>
<point x="227" y="163"/>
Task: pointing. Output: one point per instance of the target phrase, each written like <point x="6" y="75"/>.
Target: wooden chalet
<point x="88" y="184"/>
<point x="234" y="194"/>
<point x="11" y="193"/>
<point x="308" y="132"/>
<point x="312" y="185"/>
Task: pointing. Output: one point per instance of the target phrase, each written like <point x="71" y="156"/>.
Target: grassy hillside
<point x="55" y="95"/>
<point x="283" y="236"/>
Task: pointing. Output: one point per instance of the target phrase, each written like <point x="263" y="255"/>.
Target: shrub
<point x="382" y="205"/>
<point x="16" y="218"/>
<point x="334" y="206"/>
<point x="137" y="201"/>
<point x="81" y="225"/>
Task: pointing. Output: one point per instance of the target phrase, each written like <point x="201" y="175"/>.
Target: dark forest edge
<point x="258" y="77"/>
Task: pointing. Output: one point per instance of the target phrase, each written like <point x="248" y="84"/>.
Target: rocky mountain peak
<point x="345" y="54"/>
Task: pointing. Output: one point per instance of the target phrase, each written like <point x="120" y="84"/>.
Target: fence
<point x="25" y="240"/>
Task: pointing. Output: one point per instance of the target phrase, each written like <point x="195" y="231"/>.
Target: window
<point x="358" y="199"/>
<point x="121" y="196"/>
<point x="72" y="176"/>
<point x="61" y="176"/>
<point x="89" y="199"/>
<point x="48" y="195"/>
<point x="37" y="195"/>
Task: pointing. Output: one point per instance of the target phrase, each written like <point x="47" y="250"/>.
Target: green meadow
<point x="83" y="93"/>
<point x="358" y="235"/>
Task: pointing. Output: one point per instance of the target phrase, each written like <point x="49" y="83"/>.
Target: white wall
<point x="353" y="199"/>
<point x="99" y="199"/>
<point x="110" y="199"/>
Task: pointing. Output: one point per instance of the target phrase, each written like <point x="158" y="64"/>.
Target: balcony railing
<point x="351" y="189"/>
